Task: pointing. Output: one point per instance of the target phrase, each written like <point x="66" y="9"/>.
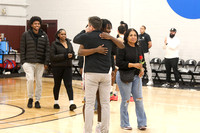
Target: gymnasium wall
<point x="156" y="15"/>
<point x="159" y="17"/>
<point x="72" y="15"/>
<point x="15" y="12"/>
<point x="13" y="20"/>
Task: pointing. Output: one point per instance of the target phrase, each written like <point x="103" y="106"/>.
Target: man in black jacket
<point x="34" y="49"/>
<point x="97" y="70"/>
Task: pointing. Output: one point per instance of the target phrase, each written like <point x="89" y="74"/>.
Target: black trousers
<point x="64" y="73"/>
<point x="172" y="63"/>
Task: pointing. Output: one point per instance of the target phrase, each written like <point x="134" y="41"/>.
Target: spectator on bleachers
<point x="171" y="47"/>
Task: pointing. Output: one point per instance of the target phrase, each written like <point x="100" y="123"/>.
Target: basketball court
<point x="167" y="110"/>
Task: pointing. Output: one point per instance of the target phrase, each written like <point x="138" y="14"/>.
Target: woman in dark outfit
<point x="61" y="57"/>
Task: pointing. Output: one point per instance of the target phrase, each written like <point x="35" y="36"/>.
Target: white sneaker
<point x="166" y="85"/>
<point x="127" y="128"/>
<point x="176" y="85"/>
<point x="150" y="83"/>
<point x="98" y="128"/>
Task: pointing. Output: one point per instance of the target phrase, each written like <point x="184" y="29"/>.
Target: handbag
<point x="127" y="76"/>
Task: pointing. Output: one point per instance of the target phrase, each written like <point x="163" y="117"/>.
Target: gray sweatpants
<point x="34" y="71"/>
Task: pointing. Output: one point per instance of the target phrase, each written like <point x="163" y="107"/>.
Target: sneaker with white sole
<point x="127" y="128"/>
<point x="98" y="128"/>
<point x="166" y="85"/>
<point x="176" y="85"/>
<point x="150" y="83"/>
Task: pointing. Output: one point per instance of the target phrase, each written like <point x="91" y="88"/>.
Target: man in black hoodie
<point x="34" y="49"/>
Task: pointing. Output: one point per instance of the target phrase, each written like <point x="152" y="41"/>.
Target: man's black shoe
<point x="30" y="103"/>
<point x="37" y="104"/>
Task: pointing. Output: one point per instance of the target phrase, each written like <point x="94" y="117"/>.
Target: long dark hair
<point x="127" y="34"/>
<point x="56" y="35"/>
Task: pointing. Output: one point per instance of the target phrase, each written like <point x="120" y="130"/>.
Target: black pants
<point x="172" y="63"/>
<point x="64" y="73"/>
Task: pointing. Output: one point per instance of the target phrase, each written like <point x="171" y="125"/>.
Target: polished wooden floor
<point x="167" y="110"/>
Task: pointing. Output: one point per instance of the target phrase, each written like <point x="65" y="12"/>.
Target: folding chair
<point x="162" y="69"/>
<point x="155" y="64"/>
<point x="196" y="73"/>
<point x="181" y="64"/>
<point x="190" y="68"/>
<point x="75" y="67"/>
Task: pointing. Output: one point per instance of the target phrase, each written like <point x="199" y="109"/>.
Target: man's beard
<point x="171" y="35"/>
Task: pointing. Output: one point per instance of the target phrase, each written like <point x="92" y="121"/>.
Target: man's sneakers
<point x="150" y="83"/>
<point x="30" y="103"/>
<point x="176" y="85"/>
<point x="37" y="105"/>
<point x="72" y="107"/>
<point x="114" y="98"/>
<point x="166" y="85"/>
<point x="131" y="99"/>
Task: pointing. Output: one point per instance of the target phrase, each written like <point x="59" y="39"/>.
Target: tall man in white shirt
<point x="171" y="47"/>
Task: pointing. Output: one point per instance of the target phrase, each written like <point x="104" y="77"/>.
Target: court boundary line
<point x="42" y="121"/>
<point x="23" y="110"/>
<point x="37" y="117"/>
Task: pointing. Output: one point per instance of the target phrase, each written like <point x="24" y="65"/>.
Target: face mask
<point x="171" y="35"/>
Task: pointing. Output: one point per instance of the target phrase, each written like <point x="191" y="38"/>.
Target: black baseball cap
<point x="173" y="29"/>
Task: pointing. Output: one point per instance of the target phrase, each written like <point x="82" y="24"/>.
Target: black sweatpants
<point x="172" y="63"/>
<point x="64" y="73"/>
